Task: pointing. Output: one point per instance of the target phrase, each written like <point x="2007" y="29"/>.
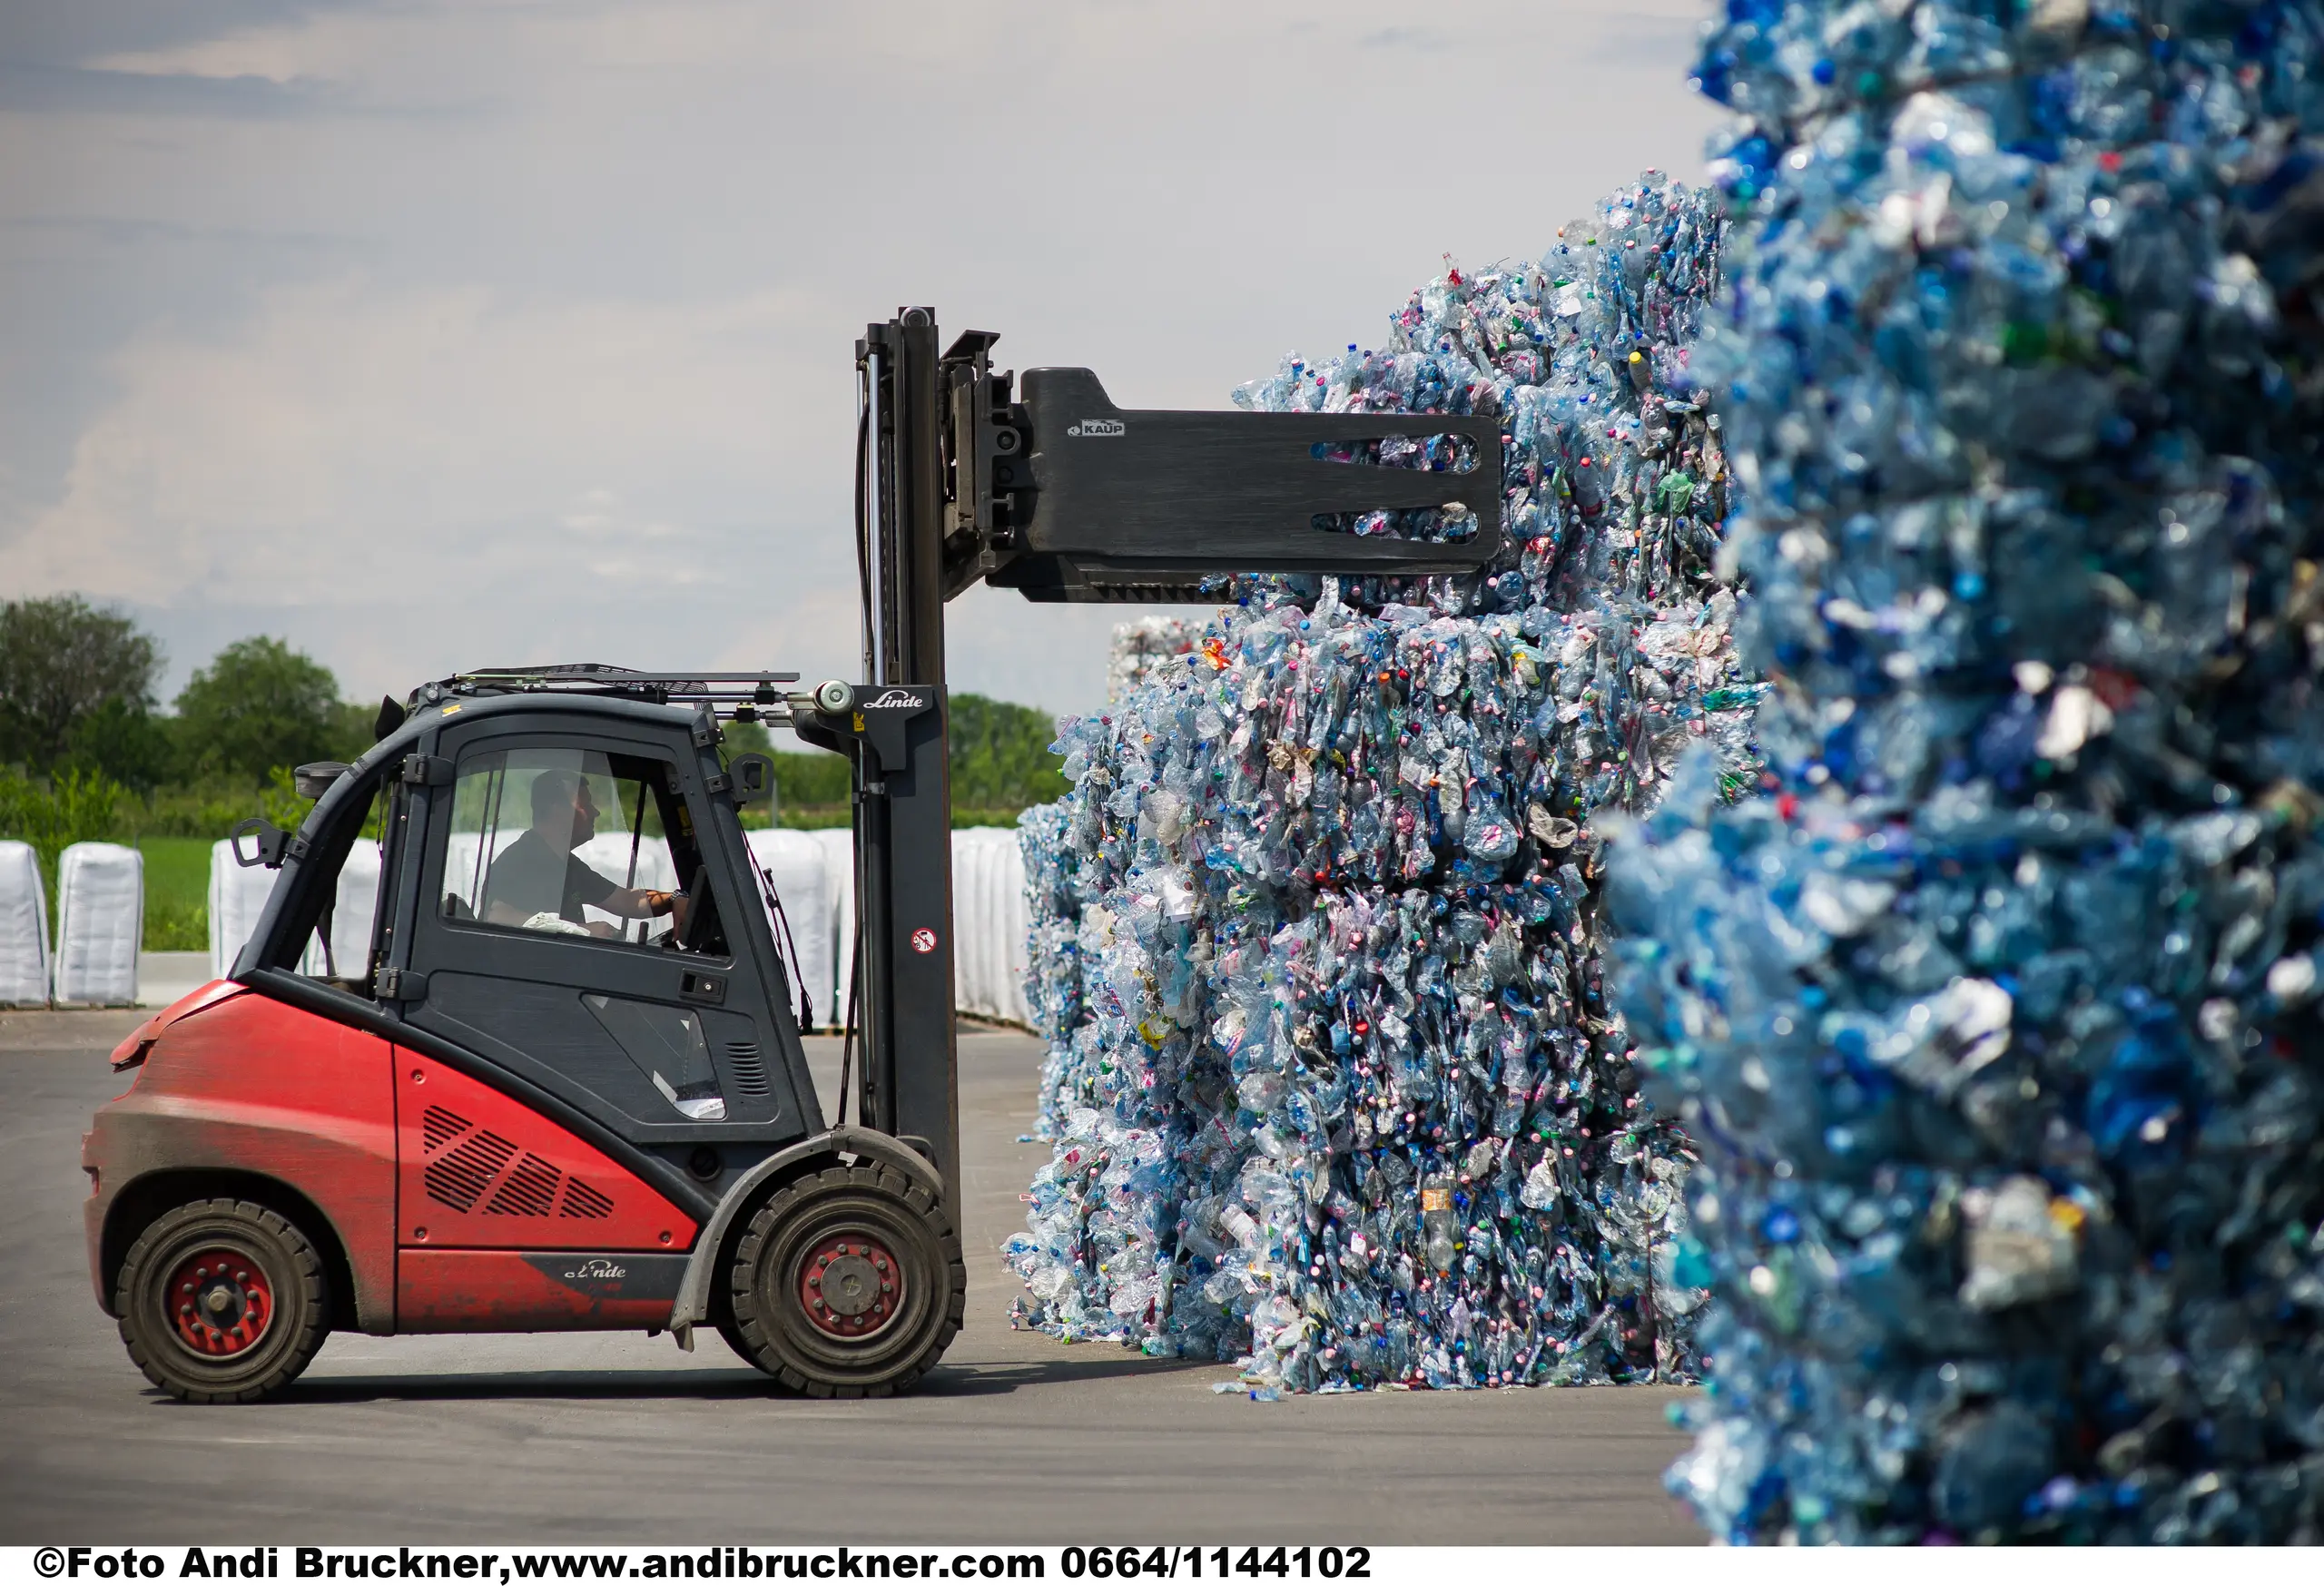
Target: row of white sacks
<point x="99" y="919"/>
<point x="812" y="874"/>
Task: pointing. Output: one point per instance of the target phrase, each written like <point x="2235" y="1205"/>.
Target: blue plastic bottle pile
<point x="1333" y="1082"/>
<point x="1994" y="1015"/>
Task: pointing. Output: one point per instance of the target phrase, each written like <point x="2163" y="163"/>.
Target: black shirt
<point x="531" y="878"/>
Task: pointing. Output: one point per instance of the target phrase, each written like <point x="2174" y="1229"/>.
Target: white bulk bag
<point x="352" y="913"/>
<point x="100" y="924"/>
<point x="237" y="898"/>
<point x="993" y="1000"/>
<point x="989" y="922"/>
<point x="1016" y="928"/>
<point x="23" y="928"/>
<point x="967" y="987"/>
<point x="838" y="844"/>
<point x="794" y="863"/>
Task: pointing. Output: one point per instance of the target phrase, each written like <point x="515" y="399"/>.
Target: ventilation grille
<point x="437" y="1126"/>
<point x="581" y="1201"/>
<point x="459" y="1177"/>
<point x="464" y="1167"/>
<point x="749" y="1072"/>
<point x="528" y="1191"/>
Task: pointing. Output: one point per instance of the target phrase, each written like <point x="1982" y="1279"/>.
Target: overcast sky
<point x="434" y="335"/>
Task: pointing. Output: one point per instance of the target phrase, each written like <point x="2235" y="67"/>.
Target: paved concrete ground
<point x="566" y="1438"/>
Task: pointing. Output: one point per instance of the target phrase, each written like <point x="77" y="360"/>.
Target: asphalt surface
<point x="573" y="1437"/>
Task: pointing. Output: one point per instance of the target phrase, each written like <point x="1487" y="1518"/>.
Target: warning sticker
<point x="923" y="940"/>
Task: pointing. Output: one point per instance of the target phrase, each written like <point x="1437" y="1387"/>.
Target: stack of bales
<point x="1995" y="1017"/>
<point x="1333" y="1080"/>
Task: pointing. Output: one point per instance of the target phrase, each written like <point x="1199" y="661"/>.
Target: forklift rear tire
<point x="848" y="1284"/>
<point x="222" y="1302"/>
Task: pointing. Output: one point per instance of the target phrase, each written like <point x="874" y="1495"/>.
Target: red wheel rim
<point x="851" y="1285"/>
<point x="219" y="1302"/>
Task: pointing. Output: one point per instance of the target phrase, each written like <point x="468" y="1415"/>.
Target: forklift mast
<point x="1053" y="490"/>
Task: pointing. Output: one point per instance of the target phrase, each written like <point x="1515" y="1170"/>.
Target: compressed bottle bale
<point x="23" y="928"/>
<point x="1333" y="1083"/>
<point x="100" y="924"/>
<point x="1994" y="1013"/>
<point x="1142" y="644"/>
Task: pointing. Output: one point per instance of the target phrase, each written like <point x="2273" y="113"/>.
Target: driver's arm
<point x="637" y="904"/>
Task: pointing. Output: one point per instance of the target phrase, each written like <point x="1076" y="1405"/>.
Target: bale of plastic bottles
<point x="1142" y="644"/>
<point x="1333" y="1083"/>
<point x="1995" y="1011"/>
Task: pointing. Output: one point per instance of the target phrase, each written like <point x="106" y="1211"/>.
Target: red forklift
<point x="551" y="1098"/>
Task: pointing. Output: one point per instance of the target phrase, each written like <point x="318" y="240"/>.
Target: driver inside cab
<point x="540" y="883"/>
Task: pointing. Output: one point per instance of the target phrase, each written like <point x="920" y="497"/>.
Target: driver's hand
<point x="679" y="904"/>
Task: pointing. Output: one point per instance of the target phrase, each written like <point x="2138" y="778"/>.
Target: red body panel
<point x="512" y="1291"/>
<point x="507" y="1221"/>
<point x="244" y="1084"/>
<point x="481" y="1170"/>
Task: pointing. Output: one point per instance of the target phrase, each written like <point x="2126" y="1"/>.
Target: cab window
<point x="572" y="842"/>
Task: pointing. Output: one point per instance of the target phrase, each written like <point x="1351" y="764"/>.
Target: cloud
<point x="401" y="455"/>
<point x="36" y="89"/>
<point x="1405" y="38"/>
<point x="432" y="332"/>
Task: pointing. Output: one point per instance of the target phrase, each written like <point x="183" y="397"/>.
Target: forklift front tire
<point x="222" y="1302"/>
<point x="848" y="1284"/>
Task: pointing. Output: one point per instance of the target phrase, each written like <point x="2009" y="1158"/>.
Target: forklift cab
<point x="499" y="928"/>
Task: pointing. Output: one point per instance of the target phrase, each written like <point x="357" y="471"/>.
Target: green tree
<point x="61" y="660"/>
<point x="1000" y="763"/>
<point x="1001" y="755"/>
<point x="124" y="742"/>
<point x="259" y="705"/>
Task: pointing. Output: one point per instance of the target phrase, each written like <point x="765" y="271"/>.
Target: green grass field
<point x="177" y="893"/>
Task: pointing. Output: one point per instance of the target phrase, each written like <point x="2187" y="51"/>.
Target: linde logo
<point x="598" y="1267"/>
<point x="1088" y="428"/>
<point x="895" y="699"/>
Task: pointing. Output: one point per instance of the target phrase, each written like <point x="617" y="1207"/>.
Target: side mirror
<point x="270" y="843"/>
<point x="754" y="775"/>
<point x="313" y="780"/>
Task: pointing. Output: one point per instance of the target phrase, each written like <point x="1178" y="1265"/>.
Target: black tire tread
<point x="748" y="1337"/>
<point x="313" y="1317"/>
